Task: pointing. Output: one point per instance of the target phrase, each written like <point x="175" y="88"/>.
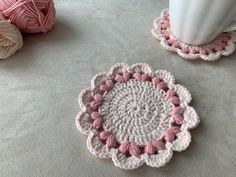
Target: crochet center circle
<point x="136" y="111"/>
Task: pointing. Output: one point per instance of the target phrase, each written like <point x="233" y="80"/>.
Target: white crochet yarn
<point x="212" y="56"/>
<point x="131" y="109"/>
<point x="136" y="112"/>
<point x="10" y="39"/>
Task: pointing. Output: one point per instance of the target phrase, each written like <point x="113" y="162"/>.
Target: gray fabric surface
<point x="40" y="85"/>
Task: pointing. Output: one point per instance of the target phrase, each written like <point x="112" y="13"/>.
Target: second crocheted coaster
<point x="135" y="115"/>
<point x="224" y="45"/>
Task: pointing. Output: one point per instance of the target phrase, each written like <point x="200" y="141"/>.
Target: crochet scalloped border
<point x="224" y="45"/>
<point x="156" y="146"/>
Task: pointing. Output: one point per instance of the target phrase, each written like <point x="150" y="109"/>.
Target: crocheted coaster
<point x="222" y="46"/>
<point x="135" y="115"/>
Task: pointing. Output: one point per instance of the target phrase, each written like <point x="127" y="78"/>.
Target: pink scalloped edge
<point x="224" y="45"/>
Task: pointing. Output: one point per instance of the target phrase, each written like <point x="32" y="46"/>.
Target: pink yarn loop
<point x="185" y="50"/>
<point x="137" y="76"/>
<point x="170" y="93"/>
<point x="145" y="77"/>
<point x="98" y="97"/>
<point x="177" y="114"/>
<point x="107" y="86"/>
<point x="95" y="115"/>
<point x="166" y="34"/>
<point x="104" y="135"/>
<point x="97" y="123"/>
<point x="174" y="130"/>
<point x="159" y="145"/>
<point x="176" y="44"/>
<point x="178" y="110"/>
<point x="171" y="41"/>
<point x="175" y="100"/>
<point x="134" y="150"/>
<point x="94" y="105"/>
<point x="126" y="76"/>
<point x="162" y="85"/>
<point x="140" y="77"/>
<point x="124" y="147"/>
<point x="130" y="148"/>
<point x="149" y="149"/>
<point x="170" y="133"/>
<point x="157" y="83"/>
<point x="178" y="119"/>
<point x="169" y="137"/>
<point x="193" y="51"/>
<point x="111" y="141"/>
<point x="122" y="78"/>
<point x="203" y="51"/>
<point x="119" y="78"/>
<point x="96" y="102"/>
<point x="30" y="16"/>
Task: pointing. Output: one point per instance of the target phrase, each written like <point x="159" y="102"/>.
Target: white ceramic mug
<point x="198" y="22"/>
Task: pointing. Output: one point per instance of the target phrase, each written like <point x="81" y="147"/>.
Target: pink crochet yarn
<point x="135" y="115"/>
<point x="29" y="16"/>
<point x="223" y="45"/>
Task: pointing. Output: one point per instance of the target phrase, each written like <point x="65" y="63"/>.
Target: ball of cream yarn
<point x="29" y="16"/>
<point x="10" y="39"/>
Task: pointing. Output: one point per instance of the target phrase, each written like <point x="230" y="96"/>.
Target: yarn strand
<point x="29" y="16"/>
<point x="10" y="39"/>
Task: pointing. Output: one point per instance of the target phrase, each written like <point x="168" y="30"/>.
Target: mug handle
<point x="231" y="27"/>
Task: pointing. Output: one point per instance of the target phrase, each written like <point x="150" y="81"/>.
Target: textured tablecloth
<point x="40" y="84"/>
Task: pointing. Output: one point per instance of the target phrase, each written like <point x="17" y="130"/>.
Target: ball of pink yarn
<point x="29" y="16"/>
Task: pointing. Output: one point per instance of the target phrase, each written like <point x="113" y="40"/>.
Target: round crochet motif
<point x="223" y="45"/>
<point x="135" y="115"/>
<point x="130" y="112"/>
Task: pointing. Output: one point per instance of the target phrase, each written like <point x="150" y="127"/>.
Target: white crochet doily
<point x="135" y="115"/>
<point x="224" y="45"/>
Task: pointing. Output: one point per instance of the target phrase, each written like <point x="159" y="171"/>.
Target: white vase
<point x="198" y="22"/>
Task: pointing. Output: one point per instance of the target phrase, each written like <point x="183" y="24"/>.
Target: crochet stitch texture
<point x="223" y="45"/>
<point x="135" y="115"/>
